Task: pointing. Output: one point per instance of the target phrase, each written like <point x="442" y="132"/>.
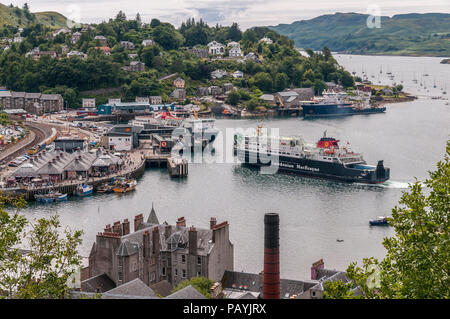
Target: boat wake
<point x="390" y="184"/>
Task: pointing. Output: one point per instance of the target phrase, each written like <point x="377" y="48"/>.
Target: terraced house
<point x="34" y="103"/>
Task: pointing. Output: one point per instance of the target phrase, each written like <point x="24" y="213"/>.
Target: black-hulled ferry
<point x="326" y="159"/>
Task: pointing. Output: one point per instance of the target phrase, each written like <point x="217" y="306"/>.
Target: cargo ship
<point x="325" y="159"/>
<point x="334" y="104"/>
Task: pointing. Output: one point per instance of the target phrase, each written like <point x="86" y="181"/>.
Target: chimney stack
<point x="138" y="220"/>
<point x="316" y="266"/>
<point x="181" y="222"/>
<point x="126" y="227"/>
<point x="117" y="228"/>
<point x="108" y="229"/>
<point x="192" y="241"/>
<point x="212" y="222"/>
<point x="271" y="286"/>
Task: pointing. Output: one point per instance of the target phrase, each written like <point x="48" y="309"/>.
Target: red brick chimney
<point x="117" y="228"/>
<point x="212" y="222"/>
<point x="315" y="266"/>
<point x="181" y="222"/>
<point x="108" y="229"/>
<point x="138" y="220"/>
<point x="271" y="287"/>
<point x="192" y="241"/>
<point x="126" y="227"/>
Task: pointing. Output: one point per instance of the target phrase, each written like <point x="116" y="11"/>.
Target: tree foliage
<point x="46" y="268"/>
<point x="417" y="261"/>
<point x="202" y="284"/>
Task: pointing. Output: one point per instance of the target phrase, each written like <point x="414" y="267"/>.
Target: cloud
<point x="246" y="13"/>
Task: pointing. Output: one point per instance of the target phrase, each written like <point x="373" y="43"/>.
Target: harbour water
<point x="410" y="137"/>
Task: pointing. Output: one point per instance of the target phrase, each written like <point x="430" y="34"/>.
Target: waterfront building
<point x="88" y="103"/>
<point x="155" y="100"/>
<point x="155" y="252"/>
<point x="122" y="137"/>
<point x="56" y="165"/>
<point x="70" y="145"/>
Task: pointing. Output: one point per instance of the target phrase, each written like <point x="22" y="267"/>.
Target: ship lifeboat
<point x="329" y="151"/>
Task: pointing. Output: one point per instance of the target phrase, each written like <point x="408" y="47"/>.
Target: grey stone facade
<point x="34" y="103"/>
<point x="158" y="252"/>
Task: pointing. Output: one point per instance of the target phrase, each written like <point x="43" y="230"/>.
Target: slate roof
<point x="163" y="288"/>
<point x="101" y="281"/>
<point x="188" y="292"/>
<point x="134" y="287"/>
<point x="152" y="218"/>
<point x="127" y="249"/>
<point x="241" y="282"/>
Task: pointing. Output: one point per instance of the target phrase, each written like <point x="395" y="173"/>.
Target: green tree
<point x="281" y="81"/>
<point x="338" y="290"/>
<point x="233" y="98"/>
<point x="43" y="272"/>
<point x="202" y="284"/>
<point x="417" y="261"/>
<point x="234" y="34"/>
<point x="263" y="81"/>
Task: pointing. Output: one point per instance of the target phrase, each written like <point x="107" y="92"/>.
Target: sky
<point x="247" y="13"/>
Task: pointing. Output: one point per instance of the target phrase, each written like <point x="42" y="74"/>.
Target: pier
<point x="177" y="167"/>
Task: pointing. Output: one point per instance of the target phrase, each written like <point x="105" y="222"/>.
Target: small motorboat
<point x="83" y="190"/>
<point x="125" y="186"/>
<point x="106" y="188"/>
<point x="380" y="221"/>
<point x="50" y="197"/>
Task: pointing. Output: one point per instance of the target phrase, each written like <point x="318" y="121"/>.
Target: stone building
<point x="127" y="45"/>
<point x="216" y="48"/>
<point x="34" y="103"/>
<point x="156" y="252"/>
<point x="179" y="94"/>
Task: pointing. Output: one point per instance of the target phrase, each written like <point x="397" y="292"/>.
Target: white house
<point x="216" y="48"/>
<point x="233" y="44"/>
<point x="266" y="40"/>
<point x="218" y="74"/>
<point x="235" y="52"/>
<point x="76" y="54"/>
<point x="120" y="141"/>
<point x="238" y="74"/>
<point x="147" y="42"/>
<point x="88" y="103"/>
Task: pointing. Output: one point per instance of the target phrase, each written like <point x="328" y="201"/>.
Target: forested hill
<point x="21" y="17"/>
<point x="405" y="34"/>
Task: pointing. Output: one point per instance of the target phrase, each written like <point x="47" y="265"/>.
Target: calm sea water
<point x="410" y="138"/>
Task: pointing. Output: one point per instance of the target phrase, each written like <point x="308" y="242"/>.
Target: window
<point x="176" y="272"/>
<point x="183" y="259"/>
<point x="183" y="274"/>
<point x="153" y="276"/>
<point x="199" y="273"/>
<point x="199" y="260"/>
<point x="163" y="271"/>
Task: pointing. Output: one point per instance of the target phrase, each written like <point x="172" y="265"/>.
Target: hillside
<point x="17" y="17"/>
<point x="405" y="34"/>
